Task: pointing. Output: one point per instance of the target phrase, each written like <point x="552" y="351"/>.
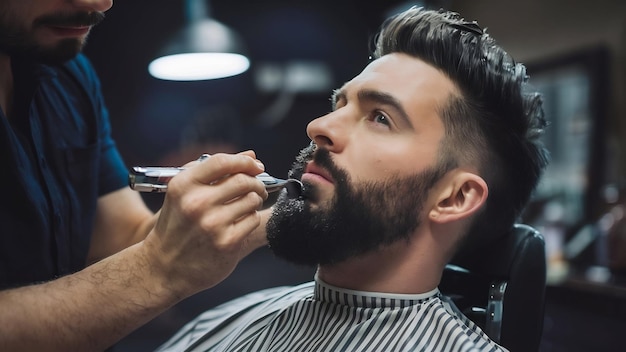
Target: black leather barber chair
<point x="501" y="288"/>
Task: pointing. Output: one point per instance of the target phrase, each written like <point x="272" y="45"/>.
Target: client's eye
<point x="381" y="118"/>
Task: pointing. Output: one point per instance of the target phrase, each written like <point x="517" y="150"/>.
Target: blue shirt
<point x="57" y="158"/>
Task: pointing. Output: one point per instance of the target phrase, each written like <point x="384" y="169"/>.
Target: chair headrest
<point x="499" y="257"/>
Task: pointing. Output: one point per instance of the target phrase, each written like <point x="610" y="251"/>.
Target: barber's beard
<point x="361" y="218"/>
<point x="17" y="41"/>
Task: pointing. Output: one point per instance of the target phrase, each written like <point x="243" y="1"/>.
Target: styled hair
<point x="494" y="125"/>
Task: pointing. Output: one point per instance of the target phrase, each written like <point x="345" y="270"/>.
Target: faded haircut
<point x="495" y="121"/>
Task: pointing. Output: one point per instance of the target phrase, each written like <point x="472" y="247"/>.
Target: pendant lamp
<point x="204" y="49"/>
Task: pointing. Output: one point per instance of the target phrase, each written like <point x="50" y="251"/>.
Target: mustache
<point x="322" y="158"/>
<point x="306" y="155"/>
<point x="79" y="19"/>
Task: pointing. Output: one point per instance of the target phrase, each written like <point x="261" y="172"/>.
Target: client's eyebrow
<point x="375" y="96"/>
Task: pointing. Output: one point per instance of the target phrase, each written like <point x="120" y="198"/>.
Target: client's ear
<point x="462" y="195"/>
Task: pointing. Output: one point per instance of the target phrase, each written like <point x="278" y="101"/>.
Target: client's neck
<point x="404" y="267"/>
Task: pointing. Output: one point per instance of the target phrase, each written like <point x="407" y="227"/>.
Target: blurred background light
<point x="203" y="49"/>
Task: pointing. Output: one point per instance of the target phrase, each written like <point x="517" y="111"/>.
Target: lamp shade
<point x="203" y="49"/>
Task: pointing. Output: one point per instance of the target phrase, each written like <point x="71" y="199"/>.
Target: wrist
<point x="158" y="278"/>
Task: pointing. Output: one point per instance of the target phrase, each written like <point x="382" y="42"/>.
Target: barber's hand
<point x="202" y="228"/>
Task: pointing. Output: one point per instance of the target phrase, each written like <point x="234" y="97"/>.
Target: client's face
<point x="376" y="157"/>
<point x="361" y="217"/>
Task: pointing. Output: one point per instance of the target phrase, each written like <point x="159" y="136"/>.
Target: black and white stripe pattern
<point x="318" y="317"/>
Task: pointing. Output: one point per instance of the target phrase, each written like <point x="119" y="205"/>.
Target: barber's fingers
<point x="249" y="153"/>
<point x="193" y="163"/>
<point x="214" y="169"/>
<point x="204" y="157"/>
<point x="242" y="231"/>
<point x="236" y="219"/>
<point x="234" y="186"/>
<point x="257" y="237"/>
<point x="244" y="206"/>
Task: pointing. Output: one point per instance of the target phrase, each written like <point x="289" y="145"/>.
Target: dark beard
<point x="19" y="42"/>
<point x="361" y="219"/>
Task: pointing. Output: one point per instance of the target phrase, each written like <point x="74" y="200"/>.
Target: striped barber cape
<point x="318" y="317"/>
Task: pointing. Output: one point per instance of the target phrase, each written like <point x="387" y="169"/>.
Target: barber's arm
<point x="196" y="241"/>
<point x="122" y="219"/>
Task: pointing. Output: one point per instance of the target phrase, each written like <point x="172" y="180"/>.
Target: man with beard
<point x="67" y="204"/>
<point x="432" y="147"/>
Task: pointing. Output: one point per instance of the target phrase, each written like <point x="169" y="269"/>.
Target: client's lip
<point x="314" y="171"/>
<point x="70" y="30"/>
